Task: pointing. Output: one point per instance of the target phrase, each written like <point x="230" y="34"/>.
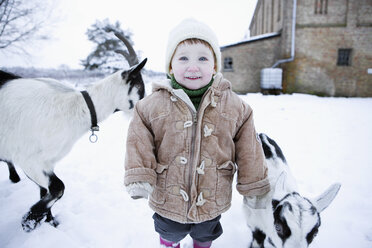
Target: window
<point x="228" y="64"/>
<point x="344" y="57"/>
<point x="321" y="7"/>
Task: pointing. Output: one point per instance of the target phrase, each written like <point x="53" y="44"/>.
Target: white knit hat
<point x="188" y="29"/>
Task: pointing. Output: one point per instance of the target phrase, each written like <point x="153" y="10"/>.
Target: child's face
<point x="193" y="65"/>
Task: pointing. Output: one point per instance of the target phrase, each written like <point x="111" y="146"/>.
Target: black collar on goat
<point x="94" y="127"/>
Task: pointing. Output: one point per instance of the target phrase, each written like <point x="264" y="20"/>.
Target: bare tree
<point x="21" y="21"/>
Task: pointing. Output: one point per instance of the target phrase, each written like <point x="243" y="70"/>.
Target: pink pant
<point x="197" y="244"/>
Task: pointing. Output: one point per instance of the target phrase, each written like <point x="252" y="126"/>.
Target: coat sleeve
<point x="140" y="160"/>
<point x="250" y="159"/>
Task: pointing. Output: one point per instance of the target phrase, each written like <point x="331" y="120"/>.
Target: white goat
<point x="289" y="220"/>
<point x="41" y="119"/>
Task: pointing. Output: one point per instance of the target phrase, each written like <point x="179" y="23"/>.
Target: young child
<point x="187" y="139"/>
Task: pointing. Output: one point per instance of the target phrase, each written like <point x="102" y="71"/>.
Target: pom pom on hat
<point x="188" y="29"/>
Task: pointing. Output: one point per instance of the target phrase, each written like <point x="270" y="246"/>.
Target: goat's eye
<point x="315" y="234"/>
<point x="278" y="228"/>
<point x="310" y="236"/>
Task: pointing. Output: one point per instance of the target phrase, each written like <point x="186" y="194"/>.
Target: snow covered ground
<point x="325" y="140"/>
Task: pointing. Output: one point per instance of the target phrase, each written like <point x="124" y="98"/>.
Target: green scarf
<point x="195" y="95"/>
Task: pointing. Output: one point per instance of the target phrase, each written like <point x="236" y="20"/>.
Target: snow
<point x="253" y="38"/>
<point x="325" y="140"/>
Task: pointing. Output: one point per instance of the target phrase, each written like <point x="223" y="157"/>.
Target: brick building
<point x="332" y="47"/>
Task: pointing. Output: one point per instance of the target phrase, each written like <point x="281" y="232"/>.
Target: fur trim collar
<point x="166" y="85"/>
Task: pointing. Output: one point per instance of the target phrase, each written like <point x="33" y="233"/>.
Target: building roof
<point x="252" y="39"/>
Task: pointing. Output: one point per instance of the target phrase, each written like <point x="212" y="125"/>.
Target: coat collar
<point x="219" y="85"/>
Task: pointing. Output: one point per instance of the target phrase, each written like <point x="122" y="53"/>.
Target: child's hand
<point x="258" y="202"/>
<point x="139" y="190"/>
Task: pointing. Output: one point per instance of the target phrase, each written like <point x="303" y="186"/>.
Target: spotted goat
<point x="287" y="220"/>
<point x="42" y="118"/>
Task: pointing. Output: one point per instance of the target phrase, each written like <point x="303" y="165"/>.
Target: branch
<point x="20" y="37"/>
<point x="19" y="22"/>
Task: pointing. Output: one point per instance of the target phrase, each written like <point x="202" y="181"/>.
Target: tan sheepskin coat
<point x="190" y="157"/>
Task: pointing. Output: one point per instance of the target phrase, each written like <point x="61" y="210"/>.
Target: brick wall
<point x="318" y="38"/>
<point x="315" y="69"/>
<point x="268" y="17"/>
<point x="248" y="60"/>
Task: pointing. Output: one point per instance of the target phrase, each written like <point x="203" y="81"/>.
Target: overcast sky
<point x="149" y="20"/>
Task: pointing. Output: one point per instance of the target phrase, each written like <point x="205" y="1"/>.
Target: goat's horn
<point x="132" y="56"/>
<point x="125" y="54"/>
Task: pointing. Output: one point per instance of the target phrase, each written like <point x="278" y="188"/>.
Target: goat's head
<point x="136" y="87"/>
<point x="132" y="77"/>
<point x="296" y="218"/>
<point x="289" y="220"/>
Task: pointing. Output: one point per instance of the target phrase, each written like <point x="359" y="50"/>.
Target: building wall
<point x="322" y="28"/>
<point x="316" y="71"/>
<point x="268" y="17"/>
<point x="322" y="12"/>
<point x="347" y="24"/>
<point x="245" y="75"/>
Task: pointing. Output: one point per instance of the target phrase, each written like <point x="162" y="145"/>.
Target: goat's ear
<point x="274" y="203"/>
<point x="279" y="191"/>
<point x="322" y="202"/>
<point x="136" y="68"/>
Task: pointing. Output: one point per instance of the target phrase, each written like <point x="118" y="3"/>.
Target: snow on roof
<point x="254" y="38"/>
